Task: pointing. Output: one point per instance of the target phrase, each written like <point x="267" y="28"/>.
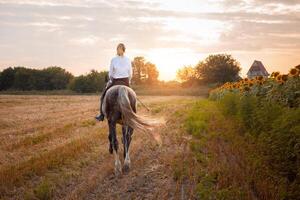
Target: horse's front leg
<point x="127" y="132"/>
<point x="115" y="146"/>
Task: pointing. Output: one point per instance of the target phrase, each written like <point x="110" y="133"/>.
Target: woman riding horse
<point x="120" y="73"/>
<point x="118" y="105"/>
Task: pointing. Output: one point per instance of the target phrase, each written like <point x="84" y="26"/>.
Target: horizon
<point x="81" y="35"/>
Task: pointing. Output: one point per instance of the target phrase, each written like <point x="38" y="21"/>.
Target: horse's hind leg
<point x="127" y="132"/>
<point x="115" y="146"/>
<point x="110" y="143"/>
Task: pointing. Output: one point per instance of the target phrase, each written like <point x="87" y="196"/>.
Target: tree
<point x="144" y="72"/>
<point x="41" y="80"/>
<point x="218" y="68"/>
<point x="23" y="79"/>
<point x="7" y="78"/>
<point x="58" y="77"/>
<point x="187" y="75"/>
<point x="138" y="68"/>
<point x="151" y="73"/>
<point x="91" y="82"/>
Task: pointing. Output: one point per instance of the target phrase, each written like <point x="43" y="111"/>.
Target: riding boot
<point x="101" y="116"/>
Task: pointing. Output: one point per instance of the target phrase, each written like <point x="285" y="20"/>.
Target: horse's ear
<point x="106" y="78"/>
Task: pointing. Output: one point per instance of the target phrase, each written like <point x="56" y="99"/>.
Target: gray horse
<point x="119" y="107"/>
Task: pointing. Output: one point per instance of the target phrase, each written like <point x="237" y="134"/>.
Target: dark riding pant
<point x="115" y="81"/>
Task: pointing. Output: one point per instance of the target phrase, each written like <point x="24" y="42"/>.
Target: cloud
<point x="82" y="33"/>
<point x="89" y="40"/>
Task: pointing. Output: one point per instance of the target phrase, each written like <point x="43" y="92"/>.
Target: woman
<point x="120" y="73"/>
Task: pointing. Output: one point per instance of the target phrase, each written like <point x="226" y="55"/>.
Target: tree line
<point x="21" y="78"/>
<point x="215" y="69"/>
<point x="57" y="78"/>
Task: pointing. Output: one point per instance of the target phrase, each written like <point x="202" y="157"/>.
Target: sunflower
<point x="275" y="74"/>
<point x="260" y="78"/>
<point x="284" y="77"/>
<point x="294" y="72"/>
<point x="251" y="82"/>
<point x="278" y="78"/>
<point x="246" y="88"/>
<point x="298" y="67"/>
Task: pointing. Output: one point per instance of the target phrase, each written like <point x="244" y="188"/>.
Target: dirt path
<point x="150" y="176"/>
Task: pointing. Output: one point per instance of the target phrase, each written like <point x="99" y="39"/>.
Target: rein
<point x="143" y="104"/>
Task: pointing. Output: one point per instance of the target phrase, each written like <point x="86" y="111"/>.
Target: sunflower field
<point x="282" y="88"/>
<point x="267" y="114"/>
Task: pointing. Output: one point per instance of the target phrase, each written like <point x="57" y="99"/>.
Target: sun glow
<point x="169" y="60"/>
<point x="177" y="50"/>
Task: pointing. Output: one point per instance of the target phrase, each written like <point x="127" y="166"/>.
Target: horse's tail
<point x="129" y="117"/>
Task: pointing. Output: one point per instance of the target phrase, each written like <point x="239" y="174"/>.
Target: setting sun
<point x="168" y="61"/>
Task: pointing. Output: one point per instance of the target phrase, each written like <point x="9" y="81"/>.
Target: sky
<point x="81" y="35"/>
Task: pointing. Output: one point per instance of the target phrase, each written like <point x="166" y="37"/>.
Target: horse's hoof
<point x="118" y="171"/>
<point x="110" y="149"/>
<point x="126" y="168"/>
<point x="118" y="168"/>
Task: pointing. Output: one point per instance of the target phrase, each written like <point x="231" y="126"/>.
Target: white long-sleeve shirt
<point x="120" y="67"/>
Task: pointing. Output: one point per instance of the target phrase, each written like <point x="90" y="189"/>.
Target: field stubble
<point x="51" y="148"/>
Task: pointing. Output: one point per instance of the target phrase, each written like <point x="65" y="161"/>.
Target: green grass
<point x="245" y="148"/>
<point x="198" y="117"/>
